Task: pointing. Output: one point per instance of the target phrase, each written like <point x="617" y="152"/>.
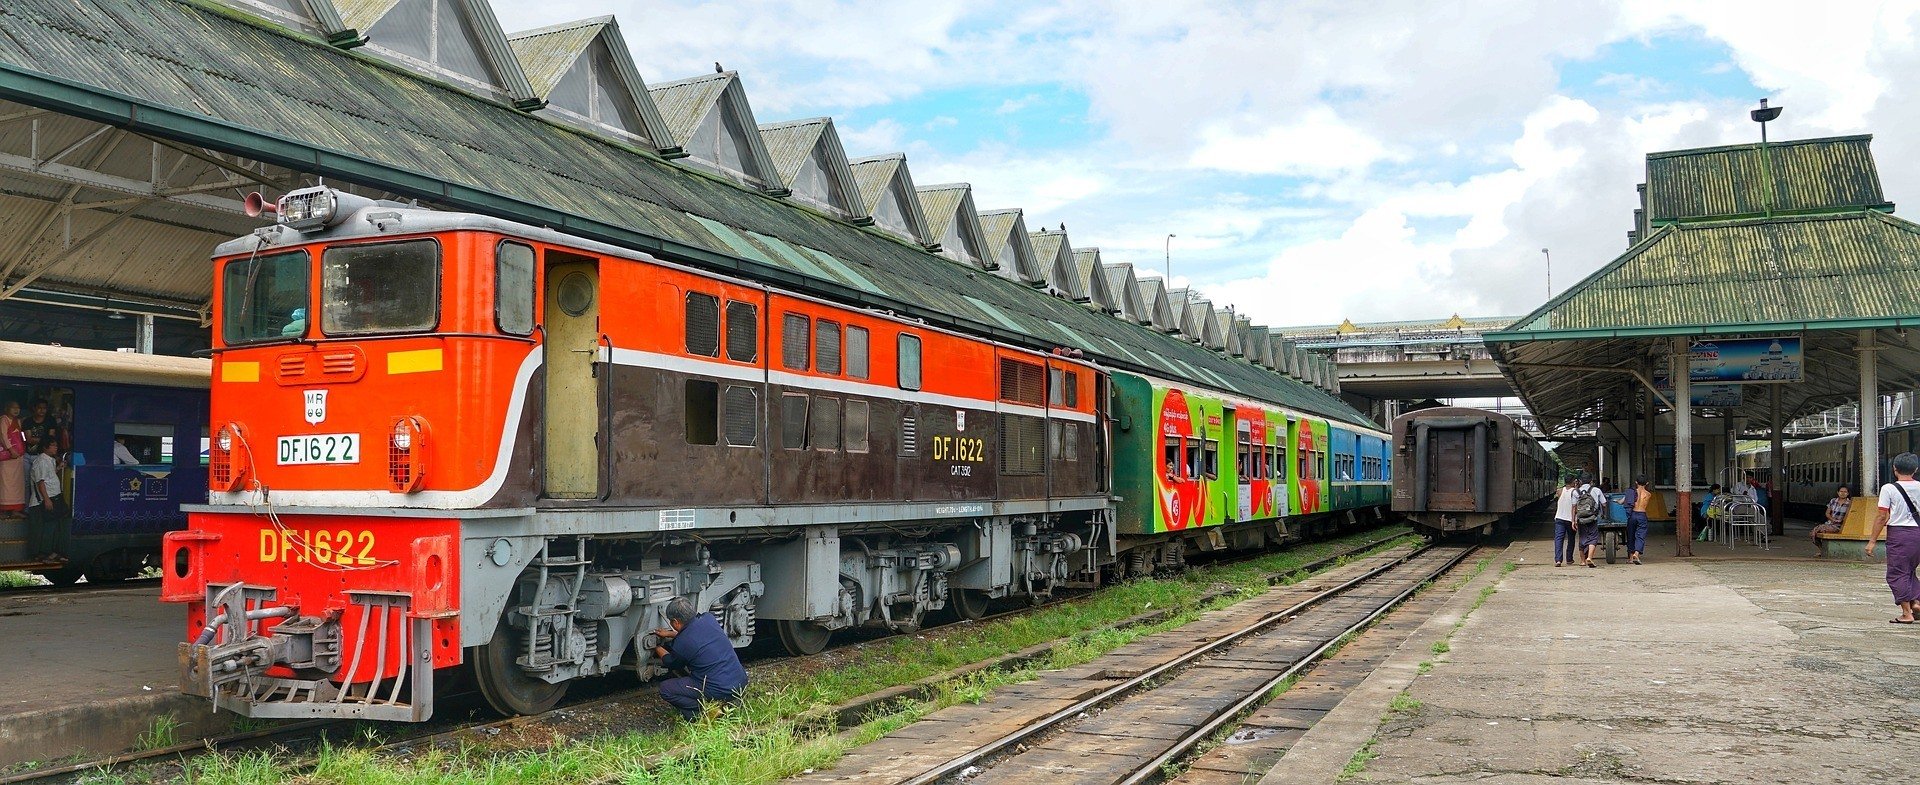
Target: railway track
<point x="1128" y="717"/>
<point x="314" y="731"/>
<point x="80" y="588"/>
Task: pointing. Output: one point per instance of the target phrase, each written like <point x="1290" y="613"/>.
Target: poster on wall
<point x="1704" y="396"/>
<point x="1746" y="360"/>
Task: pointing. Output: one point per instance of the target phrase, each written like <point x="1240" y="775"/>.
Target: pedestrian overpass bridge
<point x="1410" y="360"/>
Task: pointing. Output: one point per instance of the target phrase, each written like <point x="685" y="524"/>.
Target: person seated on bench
<point x="1836" y="517"/>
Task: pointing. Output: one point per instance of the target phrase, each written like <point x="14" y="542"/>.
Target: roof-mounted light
<point x="307" y="209"/>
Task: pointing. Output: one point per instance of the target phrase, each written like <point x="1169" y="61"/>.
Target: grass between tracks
<point x="762" y="741"/>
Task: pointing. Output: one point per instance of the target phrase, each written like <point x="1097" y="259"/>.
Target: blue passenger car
<point x="115" y="512"/>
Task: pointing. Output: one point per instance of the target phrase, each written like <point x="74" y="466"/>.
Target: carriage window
<point x="513" y="289"/>
<point x="703" y="324"/>
<point x="1213" y="458"/>
<point x="264" y="298"/>
<point x="1196" y="460"/>
<point x="1279" y="464"/>
<point x="1243" y="460"/>
<point x="856" y="426"/>
<point x="856" y="350"/>
<point x="823" y="424"/>
<point x="743" y="331"/>
<point x="796" y="334"/>
<point x="380" y="288"/>
<point x="793" y="421"/>
<point x="742" y="416"/>
<point x="703" y="411"/>
<point x="1170" y="455"/>
<point x="826" y="347"/>
<point x="147" y="443"/>
<point x="909" y="362"/>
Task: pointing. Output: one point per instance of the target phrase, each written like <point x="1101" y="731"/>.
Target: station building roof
<point x="1012" y="248"/>
<point x="188" y="73"/>
<point x="1742" y="242"/>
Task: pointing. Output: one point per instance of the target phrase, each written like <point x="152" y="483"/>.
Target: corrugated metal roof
<point x="950" y="213"/>
<point x="1784" y="177"/>
<point x="1126" y="293"/>
<point x="546" y="53"/>
<point x="1006" y="233"/>
<point x="361" y="13"/>
<point x="419" y="137"/>
<point x="684" y="103"/>
<point x="1800" y="269"/>
<point x="875" y="175"/>
<point x="1054" y="253"/>
<point x="1086" y="275"/>
<point x="791" y="143"/>
<point x="1159" y="309"/>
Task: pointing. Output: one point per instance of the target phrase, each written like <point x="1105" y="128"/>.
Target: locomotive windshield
<point x="265" y="298"/>
<point x="380" y="288"/>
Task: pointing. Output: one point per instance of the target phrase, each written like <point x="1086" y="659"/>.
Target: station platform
<point x="88" y="671"/>
<point x="1736" y="665"/>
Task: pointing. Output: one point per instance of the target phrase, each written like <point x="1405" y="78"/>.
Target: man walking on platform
<point x="1589" y="506"/>
<point x="1565" y="536"/>
<point x="698" y="644"/>
<point x="1637" y="499"/>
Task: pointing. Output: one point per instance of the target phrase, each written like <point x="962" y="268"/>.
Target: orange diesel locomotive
<point x="441" y="438"/>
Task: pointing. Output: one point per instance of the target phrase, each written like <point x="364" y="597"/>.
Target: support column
<point x="143" y="334"/>
<point x="1647" y="460"/>
<point x="1680" y="373"/>
<point x="1734" y="427"/>
<point x="1776" y="458"/>
<point x="1600" y="461"/>
<point x="1869" y="415"/>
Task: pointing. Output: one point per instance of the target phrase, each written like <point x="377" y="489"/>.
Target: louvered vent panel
<point x="743" y="332"/>
<point x="793" y="342"/>
<point x="1022" y="382"/>
<point x="703" y="324"/>
<point x="1023" y="445"/>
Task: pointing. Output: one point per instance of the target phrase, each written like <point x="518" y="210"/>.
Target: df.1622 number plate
<point x="320" y="448"/>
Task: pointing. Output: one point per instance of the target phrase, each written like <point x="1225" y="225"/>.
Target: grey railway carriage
<point x="1463" y="470"/>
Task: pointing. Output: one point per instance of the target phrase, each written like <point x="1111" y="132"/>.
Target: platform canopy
<point x="1791" y="240"/>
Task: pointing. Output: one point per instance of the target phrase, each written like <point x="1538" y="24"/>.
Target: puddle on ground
<point x="1246" y="735"/>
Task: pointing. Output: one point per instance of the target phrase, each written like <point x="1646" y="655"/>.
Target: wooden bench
<point x="1851" y="541"/>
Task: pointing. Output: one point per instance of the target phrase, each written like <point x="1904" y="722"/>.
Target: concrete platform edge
<point x="1322" y="753"/>
<point x="103" y="728"/>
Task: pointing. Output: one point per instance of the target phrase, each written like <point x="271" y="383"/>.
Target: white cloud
<point x="1319" y="144"/>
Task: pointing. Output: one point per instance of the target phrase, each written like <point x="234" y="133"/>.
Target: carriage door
<point x="1450" y="469"/>
<point x="572" y="417"/>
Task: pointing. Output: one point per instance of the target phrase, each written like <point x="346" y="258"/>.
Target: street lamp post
<point x="1169" y="251"/>
<point x="1549" y="255"/>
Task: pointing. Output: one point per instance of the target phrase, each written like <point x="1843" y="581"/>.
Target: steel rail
<point x="1234" y="712"/>
<point x="957" y="764"/>
<point x="213" y="744"/>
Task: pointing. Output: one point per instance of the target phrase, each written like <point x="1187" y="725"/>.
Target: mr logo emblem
<point x="316" y="406"/>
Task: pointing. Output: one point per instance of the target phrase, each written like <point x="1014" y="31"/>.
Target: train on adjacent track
<point x="1465" y="470"/>
<point x="1816" y="468"/>
<point x="442" y="439"/>
<point x="109" y="526"/>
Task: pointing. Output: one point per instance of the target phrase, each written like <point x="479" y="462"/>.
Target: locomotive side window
<point x="1170" y="455"/>
<point x="909" y="361"/>
<point x="743" y="331"/>
<point x="793" y="421"/>
<point x="856" y="426"/>
<point x="380" y="288"/>
<point x="513" y="289"/>
<point x="826" y="347"/>
<point x="823" y="424"/>
<point x="742" y="416"/>
<point x="1070" y="432"/>
<point x="1056" y="388"/>
<point x="264" y="298"/>
<point x="796" y="338"/>
<point x="856" y="350"/>
<point x="703" y="411"/>
<point x="703" y="324"/>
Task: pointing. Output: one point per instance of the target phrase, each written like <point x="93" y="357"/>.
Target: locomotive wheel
<point x="801" y="637"/>
<point x="507" y="688"/>
<point x="65" y="576"/>
<point x="969" y="604"/>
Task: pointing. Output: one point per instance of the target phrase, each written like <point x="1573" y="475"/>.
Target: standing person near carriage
<point x="1899" y="520"/>
<point x="1566" y="537"/>
<point x="1637" y="499"/>
<point x="13" y="463"/>
<point x="1589" y="506"/>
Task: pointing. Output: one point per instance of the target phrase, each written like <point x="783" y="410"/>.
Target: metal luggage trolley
<point x="1613" y="526"/>
<point x="1743" y="513"/>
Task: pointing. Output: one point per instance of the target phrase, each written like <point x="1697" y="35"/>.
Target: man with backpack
<point x="1565" y="535"/>
<point x="1588" y="504"/>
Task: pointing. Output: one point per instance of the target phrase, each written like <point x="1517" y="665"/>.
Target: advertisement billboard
<point x="1747" y="360"/>
<point x="1703" y="396"/>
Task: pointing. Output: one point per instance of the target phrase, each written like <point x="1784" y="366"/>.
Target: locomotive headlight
<point x="403" y="435"/>
<point x="226" y="440"/>
<point x="407" y="453"/>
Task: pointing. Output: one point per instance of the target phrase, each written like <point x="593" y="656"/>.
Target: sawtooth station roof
<point x="129" y="130"/>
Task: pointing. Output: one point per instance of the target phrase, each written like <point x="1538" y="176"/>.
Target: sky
<point x="1316" y="161"/>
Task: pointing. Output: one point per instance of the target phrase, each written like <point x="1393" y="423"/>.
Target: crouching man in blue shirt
<point x="696" y="644"/>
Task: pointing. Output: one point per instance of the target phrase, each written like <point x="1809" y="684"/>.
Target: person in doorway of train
<point x="1565" y="536"/>
<point x="1836" y="517"/>
<point x="44" y="502"/>
<point x="697" y="644"/>
<point x="13" y="463"/>
<point x="1637" y="498"/>
<point x="1899" y="520"/>
<point x="1589" y="524"/>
